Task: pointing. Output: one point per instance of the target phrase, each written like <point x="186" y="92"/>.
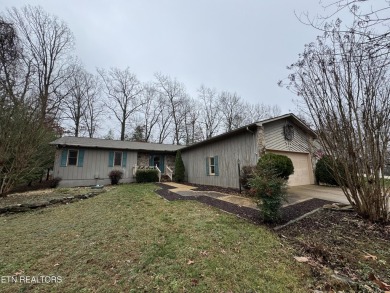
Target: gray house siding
<point x="242" y="146"/>
<point x="275" y="140"/>
<point x="94" y="170"/>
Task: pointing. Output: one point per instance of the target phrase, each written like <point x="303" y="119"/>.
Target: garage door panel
<point x="302" y="168"/>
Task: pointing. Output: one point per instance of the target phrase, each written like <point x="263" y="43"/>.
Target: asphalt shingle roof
<point x="114" y="144"/>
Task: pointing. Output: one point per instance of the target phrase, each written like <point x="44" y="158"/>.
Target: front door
<point x="157" y="160"/>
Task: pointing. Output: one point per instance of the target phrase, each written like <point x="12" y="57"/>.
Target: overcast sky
<point x="238" y="46"/>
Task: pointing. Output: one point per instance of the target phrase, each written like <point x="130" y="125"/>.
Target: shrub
<point x="115" y="175"/>
<point x="53" y="183"/>
<point x="179" y="168"/>
<point x="143" y="176"/>
<point x="270" y="190"/>
<point x="247" y="173"/>
<point x="280" y="165"/>
<point x="324" y="172"/>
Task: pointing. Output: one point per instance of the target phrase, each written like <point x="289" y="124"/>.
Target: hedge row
<point x="143" y="176"/>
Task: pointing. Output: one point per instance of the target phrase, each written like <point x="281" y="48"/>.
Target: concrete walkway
<point x="186" y="190"/>
<point x="296" y="194"/>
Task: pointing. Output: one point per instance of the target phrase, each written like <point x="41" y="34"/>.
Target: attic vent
<point x="288" y="130"/>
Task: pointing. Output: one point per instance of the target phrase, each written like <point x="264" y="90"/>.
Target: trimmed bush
<point x="270" y="191"/>
<point x="324" y="172"/>
<point x="179" y="168"/>
<point x="143" y="176"/>
<point x="115" y="175"/>
<point x="280" y="165"/>
<point x="247" y="173"/>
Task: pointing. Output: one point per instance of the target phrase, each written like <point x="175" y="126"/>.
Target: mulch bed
<point x="200" y="187"/>
<point x="288" y="213"/>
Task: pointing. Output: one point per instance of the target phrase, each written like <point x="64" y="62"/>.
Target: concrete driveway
<point x="304" y="192"/>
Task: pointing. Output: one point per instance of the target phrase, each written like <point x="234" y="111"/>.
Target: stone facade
<point x="143" y="159"/>
<point x="260" y="141"/>
<point x="170" y="162"/>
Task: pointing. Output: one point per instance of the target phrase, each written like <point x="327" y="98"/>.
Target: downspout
<point x="247" y="128"/>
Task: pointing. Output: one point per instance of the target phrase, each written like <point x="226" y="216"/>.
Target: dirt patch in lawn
<point x="344" y="251"/>
<point x="43" y="195"/>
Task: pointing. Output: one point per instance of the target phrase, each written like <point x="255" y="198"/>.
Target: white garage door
<point x="302" y="168"/>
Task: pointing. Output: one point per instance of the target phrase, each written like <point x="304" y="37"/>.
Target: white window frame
<point x="77" y="157"/>
<point x="114" y="163"/>
<point x="212" y="166"/>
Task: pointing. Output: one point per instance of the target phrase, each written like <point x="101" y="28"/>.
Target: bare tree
<point x="260" y="111"/>
<point x="210" y="111"/>
<point x="94" y="108"/>
<point x="345" y="86"/>
<point x="123" y="91"/>
<point x="174" y="93"/>
<point x="151" y="110"/>
<point x="164" y="121"/>
<point x="81" y="105"/>
<point x="233" y="110"/>
<point x="47" y="43"/>
<point x="193" y="132"/>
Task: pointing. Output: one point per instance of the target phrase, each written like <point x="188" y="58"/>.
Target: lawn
<point x="128" y="239"/>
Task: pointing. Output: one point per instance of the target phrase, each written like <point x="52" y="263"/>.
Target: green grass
<point x="130" y="240"/>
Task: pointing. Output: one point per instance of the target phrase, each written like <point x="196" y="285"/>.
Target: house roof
<point x="146" y="146"/>
<point x="253" y="126"/>
<point x="85" y="142"/>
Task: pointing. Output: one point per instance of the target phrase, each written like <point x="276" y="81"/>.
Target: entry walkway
<point x="187" y="190"/>
<point x="296" y="194"/>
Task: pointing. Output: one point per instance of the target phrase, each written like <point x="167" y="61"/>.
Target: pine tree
<point x="179" y="168"/>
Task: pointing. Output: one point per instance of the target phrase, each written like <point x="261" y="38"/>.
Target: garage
<point x="302" y="168"/>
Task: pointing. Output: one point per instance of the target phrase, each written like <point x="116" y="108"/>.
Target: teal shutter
<point x="80" y="160"/>
<point x="151" y="160"/>
<point x="64" y="157"/>
<point x="216" y="166"/>
<point x="207" y="167"/>
<point x="124" y="159"/>
<point x="111" y="159"/>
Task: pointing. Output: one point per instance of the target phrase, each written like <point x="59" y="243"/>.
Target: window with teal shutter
<point x="212" y="168"/>
<point x="64" y="157"/>
<point x="124" y="159"/>
<point x="111" y="159"/>
<point x="80" y="160"/>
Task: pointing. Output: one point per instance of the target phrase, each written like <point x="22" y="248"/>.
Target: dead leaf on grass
<point x="223" y="251"/>
<point x="190" y="262"/>
<point x="56" y="264"/>
<point x="370" y="256"/>
<point x="301" y="258"/>
<point x="382" y="285"/>
<point x="204" y="253"/>
<point x="21" y="272"/>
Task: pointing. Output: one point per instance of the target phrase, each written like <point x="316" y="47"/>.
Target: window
<point x="72" y="157"/>
<point x="212" y="166"/>
<point x="118" y="159"/>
